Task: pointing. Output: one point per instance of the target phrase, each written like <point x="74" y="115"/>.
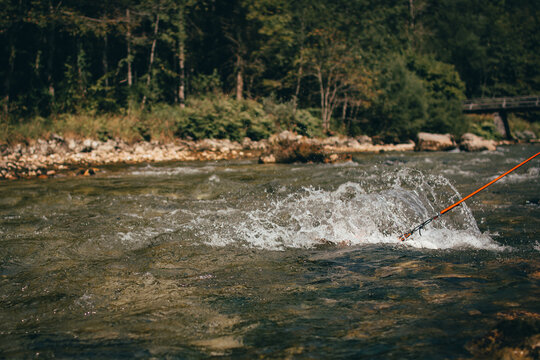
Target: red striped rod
<point x="419" y="228"/>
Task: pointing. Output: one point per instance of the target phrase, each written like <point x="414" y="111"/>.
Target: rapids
<point x="236" y="259"/>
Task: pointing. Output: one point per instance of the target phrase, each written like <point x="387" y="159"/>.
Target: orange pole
<point x="421" y="226"/>
<point x="488" y="184"/>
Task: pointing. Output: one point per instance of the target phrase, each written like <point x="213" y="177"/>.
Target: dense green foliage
<point x="237" y="68"/>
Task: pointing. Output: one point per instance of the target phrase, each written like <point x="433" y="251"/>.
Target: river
<point x="236" y="259"/>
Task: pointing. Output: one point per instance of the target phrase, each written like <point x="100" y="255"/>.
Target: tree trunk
<point x="297" y="90"/>
<point x="504" y="118"/>
<point x="50" y="62"/>
<point x="181" y="57"/>
<point x="239" y="78"/>
<point x="9" y="75"/>
<point x="151" y="61"/>
<point x="411" y="10"/>
<point x="323" y="100"/>
<point x="344" y="114"/>
<point x="128" y="41"/>
<point x="80" y="81"/>
<point x="181" y="88"/>
<point x="105" y="60"/>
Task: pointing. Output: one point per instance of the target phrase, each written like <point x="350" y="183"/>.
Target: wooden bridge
<point x="489" y="105"/>
<point x="502" y="106"/>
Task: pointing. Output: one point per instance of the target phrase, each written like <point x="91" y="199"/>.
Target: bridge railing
<point x="517" y="102"/>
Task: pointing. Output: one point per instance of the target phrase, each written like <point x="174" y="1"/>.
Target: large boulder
<point x="364" y="139"/>
<point x="471" y="142"/>
<point x="285" y="137"/>
<point x="434" y="142"/>
<point x="499" y="125"/>
<point x="267" y="159"/>
<point x="337" y="141"/>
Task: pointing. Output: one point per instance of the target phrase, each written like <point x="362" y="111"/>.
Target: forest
<point x="228" y="69"/>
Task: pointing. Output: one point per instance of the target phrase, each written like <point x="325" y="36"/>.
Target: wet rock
<point x="336" y="158"/>
<point x="267" y="159"/>
<point x="40" y="156"/>
<point x="247" y="143"/>
<point x="335" y="141"/>
<point x="434" y="142"/>
<point x="4" y="149"/>
<point x="72" y="145"/>
<point x="56" y="138"/>
<point x="87" y="146"/>
<point x="364" y="139"/>
<point x="17" y="149"/>
<point x="525" y="135"/>
<point x="206" y="144"/>
<point x="283" y="138"/>
<point x="471" y="142"/>
<point x="107" y="147"/>
<point x="353" y="144"/>
<point x="299" y="152"/>
<point x="88" y="172"/>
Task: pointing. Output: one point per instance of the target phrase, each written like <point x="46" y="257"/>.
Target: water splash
<point x="366" y="212"/>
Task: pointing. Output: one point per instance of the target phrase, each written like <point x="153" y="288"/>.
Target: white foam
<point x="214" y="178"/>
<point x="458" y="171"/>
<point x="166" y="171"/>
<point x="350" y="214"/>
<point x="516" y="177"/>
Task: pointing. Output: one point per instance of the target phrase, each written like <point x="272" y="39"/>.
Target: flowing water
<point x="236" y="259"/>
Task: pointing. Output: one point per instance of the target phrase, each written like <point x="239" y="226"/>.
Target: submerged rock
<point x="471" y="142"/>
<point x="434" y="142"/>
<point x="516" y="336"/>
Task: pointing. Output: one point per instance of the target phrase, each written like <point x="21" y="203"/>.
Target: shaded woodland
<point x="226" y="69"/>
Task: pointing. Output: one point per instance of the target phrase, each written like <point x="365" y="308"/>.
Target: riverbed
<point x="237" y="259"/>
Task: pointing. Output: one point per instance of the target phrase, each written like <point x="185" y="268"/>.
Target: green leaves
<point x="365" y="66"/>
<point x="223" y="118"/>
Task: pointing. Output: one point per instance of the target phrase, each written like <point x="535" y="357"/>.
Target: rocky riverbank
<point x="49" y="157"/>
<point x="45" y="158"/>
<point x="57" y="155"/>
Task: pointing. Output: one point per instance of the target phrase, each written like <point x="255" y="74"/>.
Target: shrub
<point x="286" y="117"/>
<point x="483" y="125"/>
<point x="220" y="117"/>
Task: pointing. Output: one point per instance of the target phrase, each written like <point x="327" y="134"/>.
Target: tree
<point x="10" y="19"/>
<point x="444" y="92"/>
<point x="337" y="67"/>
<point x="241" y="34"/>
<point x="490" y="43"/>
<point x="400" y="110"/>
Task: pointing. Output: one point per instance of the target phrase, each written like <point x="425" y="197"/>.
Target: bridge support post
<point x="504" y="117"/>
